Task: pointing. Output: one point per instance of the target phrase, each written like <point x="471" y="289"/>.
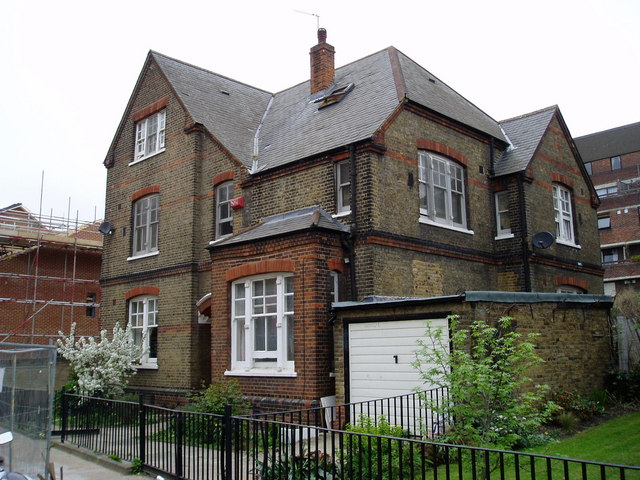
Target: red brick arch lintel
<point x="143" y="290"/>
<point x="258" y="268"/>
<point x="223" y="177"/>
<point x="143" y="192"/>
<point x="424" y="144"/>
<point x="573" y="281"/>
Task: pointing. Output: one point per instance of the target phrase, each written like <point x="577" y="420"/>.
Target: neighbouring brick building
<point x="49" y="276"/>
<point x="612" y="158"/>
<point x="240" y="215"/>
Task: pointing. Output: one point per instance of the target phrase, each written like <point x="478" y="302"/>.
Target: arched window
<point x="442" y="190"/>
<point x="145" y="225"/>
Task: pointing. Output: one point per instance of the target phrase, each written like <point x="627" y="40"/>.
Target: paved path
<point x="79" y="464"/>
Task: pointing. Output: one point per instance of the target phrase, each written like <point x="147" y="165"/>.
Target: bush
<point x="316" y="465"/>
<point x="364" y="454"/>
<point x="568" y="421"/>
<point x="217" y="396"/>
<point x="624" y="386"/>
<point x="491" y="399"/>
<point x="577" y="404"/>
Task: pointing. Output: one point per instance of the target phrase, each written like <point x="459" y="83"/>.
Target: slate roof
<point x="609" y="143"/>
<point x="295" y="221"/>
<point x="524" y="133"/>
<point x="288" y="125"/>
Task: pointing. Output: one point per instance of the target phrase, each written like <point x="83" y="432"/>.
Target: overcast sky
<point x="69" y="67"/>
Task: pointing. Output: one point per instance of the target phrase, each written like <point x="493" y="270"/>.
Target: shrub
<point x="387" y="457"/>
<point x="217" y="396"/>
<point x="491" y="399"/>
<point x="624" y="386"/>
<point x="316" y="465"/>
<point x="577" y="404"/>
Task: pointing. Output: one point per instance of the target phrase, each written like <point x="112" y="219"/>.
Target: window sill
<point x="341" y="214"/>
<point x="139" y="160"/>
<point x="504" y="236"/>
<point x="220" y="239"/>
<point x="426" y="221"/>
<point x="146" y="366"/>
<point x="144" y="255"/>
<point x="567" y="244"/>
<point x="260" y="372"/>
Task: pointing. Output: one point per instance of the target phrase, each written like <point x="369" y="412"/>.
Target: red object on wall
<point x="237" y="203"/>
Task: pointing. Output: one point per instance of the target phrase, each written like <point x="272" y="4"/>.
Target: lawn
<point x="615" y="441"/>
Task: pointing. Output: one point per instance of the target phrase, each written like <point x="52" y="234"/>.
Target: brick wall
<point x="574" y="340"/>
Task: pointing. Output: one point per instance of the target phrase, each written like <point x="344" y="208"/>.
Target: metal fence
<point x="195" y="446"/>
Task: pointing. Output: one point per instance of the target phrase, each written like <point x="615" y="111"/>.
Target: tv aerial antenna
<point x="310" y="14"/>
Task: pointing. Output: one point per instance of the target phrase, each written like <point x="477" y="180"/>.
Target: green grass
<point x="615" y="441"/>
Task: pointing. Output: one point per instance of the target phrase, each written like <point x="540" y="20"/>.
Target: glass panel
<point x="272" y="333"/>
<point x="259" y="334"/>
<point x="153" y="342"/>
<point x="289" y="326"/>
<point x="240" y="351"/>
<point x="137" y="336"/>
<point x="456" y="208"/>
<point x="440" y="201"/>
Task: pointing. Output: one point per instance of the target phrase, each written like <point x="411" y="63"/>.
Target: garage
<point x="380" y="355"/>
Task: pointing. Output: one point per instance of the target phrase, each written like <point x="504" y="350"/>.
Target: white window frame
<point x="563" y="215"/>
<point x="616" y="163"/>
<point x="224" y="213"/>
<point x="444" y="178"/>
<point x="343" y="187"/>
<point x="143" y="318"/>
<point x="247" y="313"/>
<point x="150" y="136"/>
<point x="146" y="223"/>
<point x="334" y="282"/>
<point x="501" y="211"/>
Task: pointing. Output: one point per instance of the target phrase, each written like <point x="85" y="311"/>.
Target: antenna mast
<point x="313" y="15"/>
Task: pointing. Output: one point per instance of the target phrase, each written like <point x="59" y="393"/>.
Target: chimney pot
<point x="322" y="35"/>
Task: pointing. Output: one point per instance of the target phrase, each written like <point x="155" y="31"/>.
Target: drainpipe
<point x="354" y="223"/>
<point x="524" y="234"/>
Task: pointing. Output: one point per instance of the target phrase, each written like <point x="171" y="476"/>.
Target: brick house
<point x="612" y="158"/>
<point x="49" y="276"/>
<point x="241" y="215"/>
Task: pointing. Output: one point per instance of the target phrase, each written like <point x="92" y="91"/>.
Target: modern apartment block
<point x="612" y="158"/>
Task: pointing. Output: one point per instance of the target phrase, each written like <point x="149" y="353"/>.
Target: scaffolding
<point x="39" y="273"/>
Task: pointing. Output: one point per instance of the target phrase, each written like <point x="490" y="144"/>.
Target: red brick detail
<point x="155" y="107"/>
<point x="204" y="306"/>
<point x="335" y="265"/>
<point x="423" y="144"/>
<point x="143" y="192"/>
<point x="576" y="282"/>
<point x="222" y="177"/>
<point x="144" y="290"/>
<point x="557" y="178"/>
<point x="257" y="268"/>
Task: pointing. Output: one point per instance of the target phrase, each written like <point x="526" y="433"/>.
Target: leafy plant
<point x="577" y="404"/>
<point x="217" y="396"/>
<point x="624" y="386"/>
<point x="315" y="465"/>
<point x="382" y="456"/>
<point x="136" y="466"/>
<point x="492" y="402"/>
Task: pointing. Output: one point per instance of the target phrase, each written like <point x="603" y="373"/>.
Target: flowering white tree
<point x="102" y="367"/>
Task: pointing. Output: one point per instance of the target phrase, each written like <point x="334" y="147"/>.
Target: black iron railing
<point x="189" y="445"/>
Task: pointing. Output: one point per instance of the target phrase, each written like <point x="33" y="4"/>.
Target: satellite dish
<point x="542" y="240"/>
<point x="106" y="228"/>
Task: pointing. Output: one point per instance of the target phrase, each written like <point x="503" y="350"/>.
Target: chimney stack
<point x="322" y="63"/>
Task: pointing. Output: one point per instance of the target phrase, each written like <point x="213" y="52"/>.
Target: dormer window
<point x="150" y="133"/>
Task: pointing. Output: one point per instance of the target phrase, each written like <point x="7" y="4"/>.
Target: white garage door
<point x="380" y="357"/>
